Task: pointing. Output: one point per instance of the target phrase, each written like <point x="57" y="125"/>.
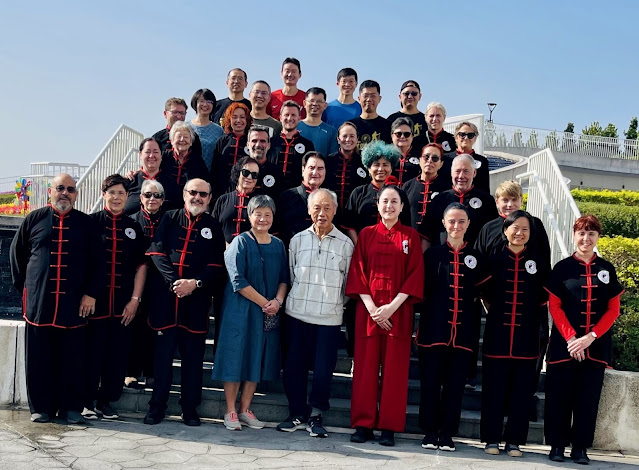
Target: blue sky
<point x="72" y="72"/>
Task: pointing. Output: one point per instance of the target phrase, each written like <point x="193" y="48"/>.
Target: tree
<point x="631" y="133"/>
<point x="570" y="128"/>
<point x="610" y="131"/>
<point x="592" y="129"/>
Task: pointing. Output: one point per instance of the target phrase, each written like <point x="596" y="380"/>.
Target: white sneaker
<point x="231" y="422"/>
<point x="250" y="420"/>
<point x="89" y="414"/>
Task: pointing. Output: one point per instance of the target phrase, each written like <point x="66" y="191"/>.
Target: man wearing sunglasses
<point x="187" y="251"/>
<point x="409" y="97"/>
<point x="58" y="267"/>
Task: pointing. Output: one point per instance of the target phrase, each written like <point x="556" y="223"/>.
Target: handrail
<point x="130" y="162"/>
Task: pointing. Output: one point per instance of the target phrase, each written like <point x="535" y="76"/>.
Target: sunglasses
<point x="253" y="174"/>
<point x="193" y="192"/>
<point x="70" y="189"/>
<point x="410" y="93"/>
<point x="468" y="135"/>
<point x="155" y="195"/>
<point x="406" y="134"/>
<point x="432" y="158"/>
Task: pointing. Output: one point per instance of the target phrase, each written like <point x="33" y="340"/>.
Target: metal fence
<point x="477" y="119"/>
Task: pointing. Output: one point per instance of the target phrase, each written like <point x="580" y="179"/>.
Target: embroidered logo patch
<point x="475" y="203"/>
<point x="432" y="196"/>
<point x="477" y="164"/>
<point x="129" y="232"/>
<point x="405" y="246"/>
<point x="446" y="146"/>
<point x="206" y="233"/>
<point x="300" y="148"/>
<point x="269" y="181"/>
<point x="531" y="266"/>
<point x="414" y="160"/>
<point x="470" y="261"/>
<point x="604" y="276"/>
<point x="361" y="172"/>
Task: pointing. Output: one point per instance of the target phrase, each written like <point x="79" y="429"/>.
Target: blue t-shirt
<point x="208" y="136"/>
<point x="337" y="113"/>
<point x="324" y="137"/>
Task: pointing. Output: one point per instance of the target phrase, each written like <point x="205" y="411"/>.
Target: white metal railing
<point x="549" y="198"/>
<point x="130" y="162"/>
<point x="116" y="151"/>
<point x="477" y="119"/>
<point x="505" y="136"/>
<point x="75" y="170"/>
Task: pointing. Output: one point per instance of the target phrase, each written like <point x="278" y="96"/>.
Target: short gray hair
<point x="464" y="156"/>
<point x="436" y="105"/>
<point x="259" y="202"/>
<point x="179" y="126"/>
<point x="322" y="190"/>
<point x="402" y="121"/>
<point x="155" y="183"/>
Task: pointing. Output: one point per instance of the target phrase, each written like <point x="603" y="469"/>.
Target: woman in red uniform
<point x="386" y="277"/>
<point x="515" y="295"/>
<point x="584" y="297"/>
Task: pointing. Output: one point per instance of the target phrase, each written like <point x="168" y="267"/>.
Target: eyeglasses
<point x="312" y="102"/>
<point x="193" y="192"/>
<point x="410" y="93"/>
<point x="155" y="195"/>
<point x="468" y="135"/>
<point x="204" y="102"/>
<point x="260" y="93"/>
<point x="405" y="135"/>
<point x="178" y="113"/>
<point x="70" y="189"/>
<point x="253" y="174"/>
<point x="432" y="158"/>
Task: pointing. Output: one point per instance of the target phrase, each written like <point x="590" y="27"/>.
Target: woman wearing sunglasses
<point x="427" y="184"/>
<point x="402" y="135"/>
<point x="465" y="137"/>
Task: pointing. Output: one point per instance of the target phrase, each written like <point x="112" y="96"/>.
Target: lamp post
<point x="491" y="108"/>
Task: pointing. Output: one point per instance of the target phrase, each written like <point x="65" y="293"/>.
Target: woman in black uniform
<point x="408" y="165"/>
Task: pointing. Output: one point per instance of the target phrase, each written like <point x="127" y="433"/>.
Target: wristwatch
<point x="594" y="335"/>
<point x="198" y="283"/>
<point x="137" y="298"/>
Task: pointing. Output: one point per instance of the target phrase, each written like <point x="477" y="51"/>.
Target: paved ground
<point x="171" y="445"/>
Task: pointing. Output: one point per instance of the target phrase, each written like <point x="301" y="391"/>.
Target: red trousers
<point x="390" y="390"/>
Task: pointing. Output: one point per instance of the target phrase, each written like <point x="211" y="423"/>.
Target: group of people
<point x="292" y="228"/>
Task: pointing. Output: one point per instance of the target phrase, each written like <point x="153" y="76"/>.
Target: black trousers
<point x="310" y="347"/>
<point x="107" y="358"/>
<point x="55" y="368"/>
<point x="507" y="389"/>
<point x="191" y="347"/>
<point x="572" y="399"/>
<point x="142" y="344"/>
<point x="443" y="372"/>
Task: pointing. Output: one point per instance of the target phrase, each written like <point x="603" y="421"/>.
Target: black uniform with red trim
<point x="446" y="140"/>
<point x="162" y="136"/>
<point x="55" y="260"/>
<point x="447" y="335"/>
<point x="482" y="178"/>
<point x="108" y="340"/>
<point x="361" y="210"/>
<point x="271" y="181"/>
<point x="584" y="298"/>
<point x="230" y="212"/>
<point x="343" y="175"/>
<point x="178" y="174"/>
<point x="133" y="203"/>
<point x="491" y="238"/>
<point x="408" y="166"/>
<point x="369" y="130"/>
<point x="287" y="155"/>
<point x="148" y="222"/>
<point x="481" y="209"/>
<point x="228" y="150"/>
<point x="220" y="109"/>
<point x="293" y="214"/>
<point x="420" y="195"/>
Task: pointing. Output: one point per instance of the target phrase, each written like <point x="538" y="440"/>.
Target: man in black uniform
<point x="259" y="144"/>
<point x="187" y="251"/>
<point x="370" y="125"/>
<point x="236" y="82"/>
<point x="175" y="110"/>
<point x="57" y="266"/>
<point x="409" y="97"/>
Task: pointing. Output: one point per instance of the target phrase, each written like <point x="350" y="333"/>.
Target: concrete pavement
<point x="128" y="443"/>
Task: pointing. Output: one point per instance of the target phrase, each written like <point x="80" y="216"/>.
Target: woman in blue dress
<point x="249" y="342"/>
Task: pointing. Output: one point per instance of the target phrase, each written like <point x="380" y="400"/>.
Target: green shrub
<point x="623" y="253"/>
<point x="625" y="336"/>
<point x="616" y="220"/>
<point x="7" y="198"/>
<point x="606" y="196"/>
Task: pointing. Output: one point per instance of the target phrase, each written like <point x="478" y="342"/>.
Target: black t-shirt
<point x="419" y="121"/>
<point x="220" y="107"/>
<point x="369" y="130"/>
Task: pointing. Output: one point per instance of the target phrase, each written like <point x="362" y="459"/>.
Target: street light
<point x="491" y="108"/>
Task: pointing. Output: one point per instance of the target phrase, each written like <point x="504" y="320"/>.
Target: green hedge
<point x="616" y="220"/>
<point x="625" y="336"/>
<point x="7" y="198"/>
<point x="623" y="253"/>
<point x="606" y="196"/>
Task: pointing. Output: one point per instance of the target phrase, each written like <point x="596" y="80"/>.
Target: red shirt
<point x="277" y="99"/>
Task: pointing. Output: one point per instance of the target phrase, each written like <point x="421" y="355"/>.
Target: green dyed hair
<point x="379" y="149"/>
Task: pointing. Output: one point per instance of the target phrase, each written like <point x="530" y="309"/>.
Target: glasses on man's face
<point x="467" y="135"/>
<point x="155" y="195"/>
<point x="253" y="174"/>
<point x="70" y="189"/>
<point x="178" y="113"/>
<point x="405" y="135"/>
<point x="410" y="93"/>
<point x="260" y="93"/>
<point x="431" y="157"/>
<point x="193" y="192"/>
<point x="312" y="102"/>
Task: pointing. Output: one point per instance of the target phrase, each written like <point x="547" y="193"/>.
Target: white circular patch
<point x="531" y="267"/>
<point x="604" y="276"/>
<point x="470" y="261"/>
<point x="246" y="150"/>
<point x="414" y="160"/>
<point x="432" y="196"/>
<point x="405" y="246"/>
<point x="477" y="164"/>
<point x="446" y="146"/>
<point x="475" y="203"/>
<point x="206" y="233"/>
<point x="300" y="148"/>
<point x="129" y="232"/>
<point x="269" y="181"/>
<point x="361" y="172"/>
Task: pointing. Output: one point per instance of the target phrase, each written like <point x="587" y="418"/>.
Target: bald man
<point x="57" y="266"/>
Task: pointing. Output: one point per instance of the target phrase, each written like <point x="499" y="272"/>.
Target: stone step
<point x="274" y="408"/>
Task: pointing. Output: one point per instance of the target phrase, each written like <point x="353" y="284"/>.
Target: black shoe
<point x="315" y="427"/>
<point x="72" y="417"/>
<point x="513" y="450"/>
<point x="191" y="418"/>
<point x="387" y="439"/>
<point x="446" y="443"/>
<point x="430" y="442"/>
<point x="556" y="454"/>
<point x="292" y="423"/>
<point x="578" y="455"/>
<point x="153" y="417"/>
<point x="107" y="411"/>
<point x="362" y="435"/>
